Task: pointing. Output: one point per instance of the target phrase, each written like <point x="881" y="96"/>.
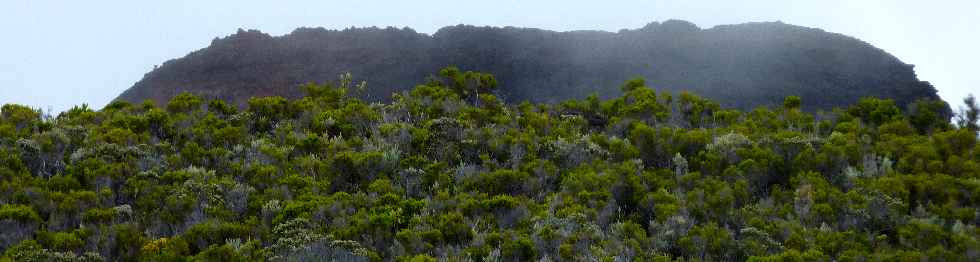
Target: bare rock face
<point x="742" y="66"/>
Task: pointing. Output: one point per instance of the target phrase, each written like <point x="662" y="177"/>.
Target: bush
<point x="20" y="213"/>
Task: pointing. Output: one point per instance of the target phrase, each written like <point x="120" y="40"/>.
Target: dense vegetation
<point x="739" y="66"/>
<point x="448" y="171"/>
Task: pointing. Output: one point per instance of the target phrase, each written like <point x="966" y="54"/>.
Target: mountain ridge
<point x="743" y="66"/>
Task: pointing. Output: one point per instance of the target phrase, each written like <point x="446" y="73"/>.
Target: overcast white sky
<point x="55" y="54"/>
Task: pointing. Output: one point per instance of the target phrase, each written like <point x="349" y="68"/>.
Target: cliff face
<point x="741" y="66"/>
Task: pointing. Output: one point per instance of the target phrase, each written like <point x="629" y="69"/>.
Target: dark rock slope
<point x="741" y="66"/>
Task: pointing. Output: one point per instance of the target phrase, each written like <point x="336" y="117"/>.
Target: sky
<point x="57" y="54"/>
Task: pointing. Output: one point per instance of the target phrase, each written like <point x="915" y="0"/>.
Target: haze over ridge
<point x="743" y="66"/>
<point x="100" y="48"/>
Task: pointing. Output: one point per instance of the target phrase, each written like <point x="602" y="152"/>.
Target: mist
<point x="68" y="53"/>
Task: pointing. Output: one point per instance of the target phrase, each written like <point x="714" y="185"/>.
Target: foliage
<point x="449" y="172"/>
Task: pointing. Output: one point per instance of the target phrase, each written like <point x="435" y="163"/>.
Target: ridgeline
<point x="740" y="66"/>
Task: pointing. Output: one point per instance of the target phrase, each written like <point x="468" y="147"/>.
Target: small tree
<point x="928" y="115"/>
<point x="969" y="116"/>
<point x="468" y="85"/>
<point x="792" y="102"/>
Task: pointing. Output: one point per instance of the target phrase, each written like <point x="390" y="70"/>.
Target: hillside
<point x="741" y="66"/>
<point x="448" y="172"/>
